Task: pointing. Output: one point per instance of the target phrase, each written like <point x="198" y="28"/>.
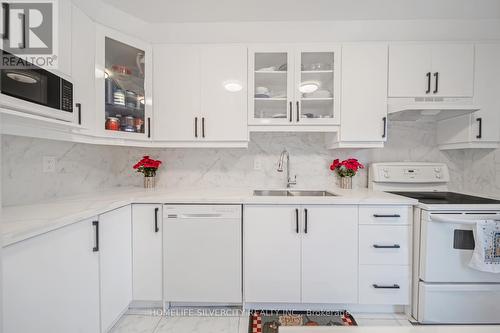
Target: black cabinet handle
<point x="79" y="108"/>
<point x="6" y="20"/>
<point x="291" y="110"/>
<point x="395" y="246"/>
<point x="96" y="225"/>
<point x="22" y="17"/>
<point x="149" y="127"/>
<point x="298" y="111"/>
<point x="196" y="127"/>
<point x="384" y="121"/>
<point x="436" y="79"/>
<point x="305" y="221"/>
<point x="390" y="215"/>
<point x="394" y="286"/>
<point x="156" y="220"/>
<point x="203" y="127"/>
<point x="480" y="124"/>
<point x="428" y="82"/>
<point x="296" y="220"/>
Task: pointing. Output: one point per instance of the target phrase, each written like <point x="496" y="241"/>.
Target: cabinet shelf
<point x="270" y="72"/>
<point x="124" y="110"/>
<point x="317" y="99"/>
<point x="317" y="72"/>
<point x="270" y="99"/>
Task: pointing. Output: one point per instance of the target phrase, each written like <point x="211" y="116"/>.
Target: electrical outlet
<point x="257" y="164"/>
<point x="49" y="164"/>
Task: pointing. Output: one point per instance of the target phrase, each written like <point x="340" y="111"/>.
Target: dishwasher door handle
<point x="198" y="216"/>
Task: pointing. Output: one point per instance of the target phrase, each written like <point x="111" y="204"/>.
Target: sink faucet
<point x="289" y="181"/>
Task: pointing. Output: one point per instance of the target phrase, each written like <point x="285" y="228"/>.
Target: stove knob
<point x="386" y="175"/>
<point x="438" y="170"/>
<point x="438" y="176"/>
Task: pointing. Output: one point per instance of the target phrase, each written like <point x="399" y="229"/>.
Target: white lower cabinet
<point x="384" y="284"/>
<point x="51" y="282"/>
<point x="115" y="249"/>
<point x="300" y="254"/>
<point x="329" y="254"/>
<point x="384" y="255"/>
<point x="272" y="247"/>
<point x="147" y="252"/>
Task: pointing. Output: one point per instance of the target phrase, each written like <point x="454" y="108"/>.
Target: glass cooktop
<point x="447" y="198"/>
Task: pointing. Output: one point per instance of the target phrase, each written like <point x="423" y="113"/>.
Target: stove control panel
<point x="402" y="172"/>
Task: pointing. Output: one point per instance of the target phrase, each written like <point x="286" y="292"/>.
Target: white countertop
<point x="22" y="222"/>
<point x="396" y="329"/>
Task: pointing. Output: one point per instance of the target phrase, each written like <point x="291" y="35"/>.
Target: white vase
<point x="346" y="183"/>
<point x="149" y="181"/>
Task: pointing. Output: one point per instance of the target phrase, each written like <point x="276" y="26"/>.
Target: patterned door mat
<point x="269" y="321"/>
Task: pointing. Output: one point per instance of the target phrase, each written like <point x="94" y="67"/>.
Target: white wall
<point x="85" y="168"/>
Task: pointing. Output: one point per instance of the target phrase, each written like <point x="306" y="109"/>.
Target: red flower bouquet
<point x="346" y="168"/>
<point x="147" y="166"/>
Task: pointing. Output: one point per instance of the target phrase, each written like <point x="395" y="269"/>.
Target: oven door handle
<point x="463" y="219"/>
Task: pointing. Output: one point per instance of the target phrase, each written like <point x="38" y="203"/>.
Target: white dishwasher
<point x="202" y="253"/>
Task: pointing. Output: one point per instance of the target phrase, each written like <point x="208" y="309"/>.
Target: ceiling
<point x="163" y="11"/>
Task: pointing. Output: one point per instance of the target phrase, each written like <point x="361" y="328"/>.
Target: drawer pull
<point x="395" y="246"/>
<point x="394" y="286"/>
<point x="390" y="215"/>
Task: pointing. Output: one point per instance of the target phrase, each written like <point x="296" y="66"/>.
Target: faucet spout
<point x="281" y="166"/>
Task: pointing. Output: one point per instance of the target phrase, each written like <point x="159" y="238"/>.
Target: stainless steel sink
<point x="271" y="193"/>
<point x="300" y="193"/>
<point x="292" y="193"/>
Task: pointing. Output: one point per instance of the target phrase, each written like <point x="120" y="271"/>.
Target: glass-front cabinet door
<point x="123" y="88"/>
<point x="271" y="86"/>
<point x="317" y="85"/>
<point x="294" y="85"/>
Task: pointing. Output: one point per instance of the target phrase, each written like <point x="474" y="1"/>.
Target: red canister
<point x="113" y="124"/>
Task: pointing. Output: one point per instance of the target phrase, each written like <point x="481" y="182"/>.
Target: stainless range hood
<point x="429" y="109"/>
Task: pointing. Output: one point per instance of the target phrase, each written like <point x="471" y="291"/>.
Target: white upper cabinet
<point x="65" y="38"/>
<point x="481" y="128"/>
<point x="83" y="68"/>
<point x="176" y="92"/>
<point x="294" y="85"/>
<point x="200" y="94"/>
<point x="123" y="86"/>
<point x="223" y="93"/>
<point x="431" y="70"/>
<point x="364" y="96"/>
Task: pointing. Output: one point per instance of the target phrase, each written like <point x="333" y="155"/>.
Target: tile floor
<point x="150" y="323"/>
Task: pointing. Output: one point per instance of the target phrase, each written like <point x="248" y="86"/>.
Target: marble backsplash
<point x="82" y="168"/>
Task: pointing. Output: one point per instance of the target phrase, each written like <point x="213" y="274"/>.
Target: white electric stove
<point x="445" y="290"/>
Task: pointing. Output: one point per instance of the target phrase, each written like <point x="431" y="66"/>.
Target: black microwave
<point x="23" y="80"/>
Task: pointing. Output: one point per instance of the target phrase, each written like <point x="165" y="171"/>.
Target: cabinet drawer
<point x="384" y="215"/>
<point x="384" y="285"/>
<point x="383" y="245"/>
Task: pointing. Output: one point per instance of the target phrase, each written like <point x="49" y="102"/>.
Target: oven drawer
<point x="384" y="215"/>
<point x="384" y="245"/>
<point x="384" y="284"/>
<point x="459" y="303"/>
